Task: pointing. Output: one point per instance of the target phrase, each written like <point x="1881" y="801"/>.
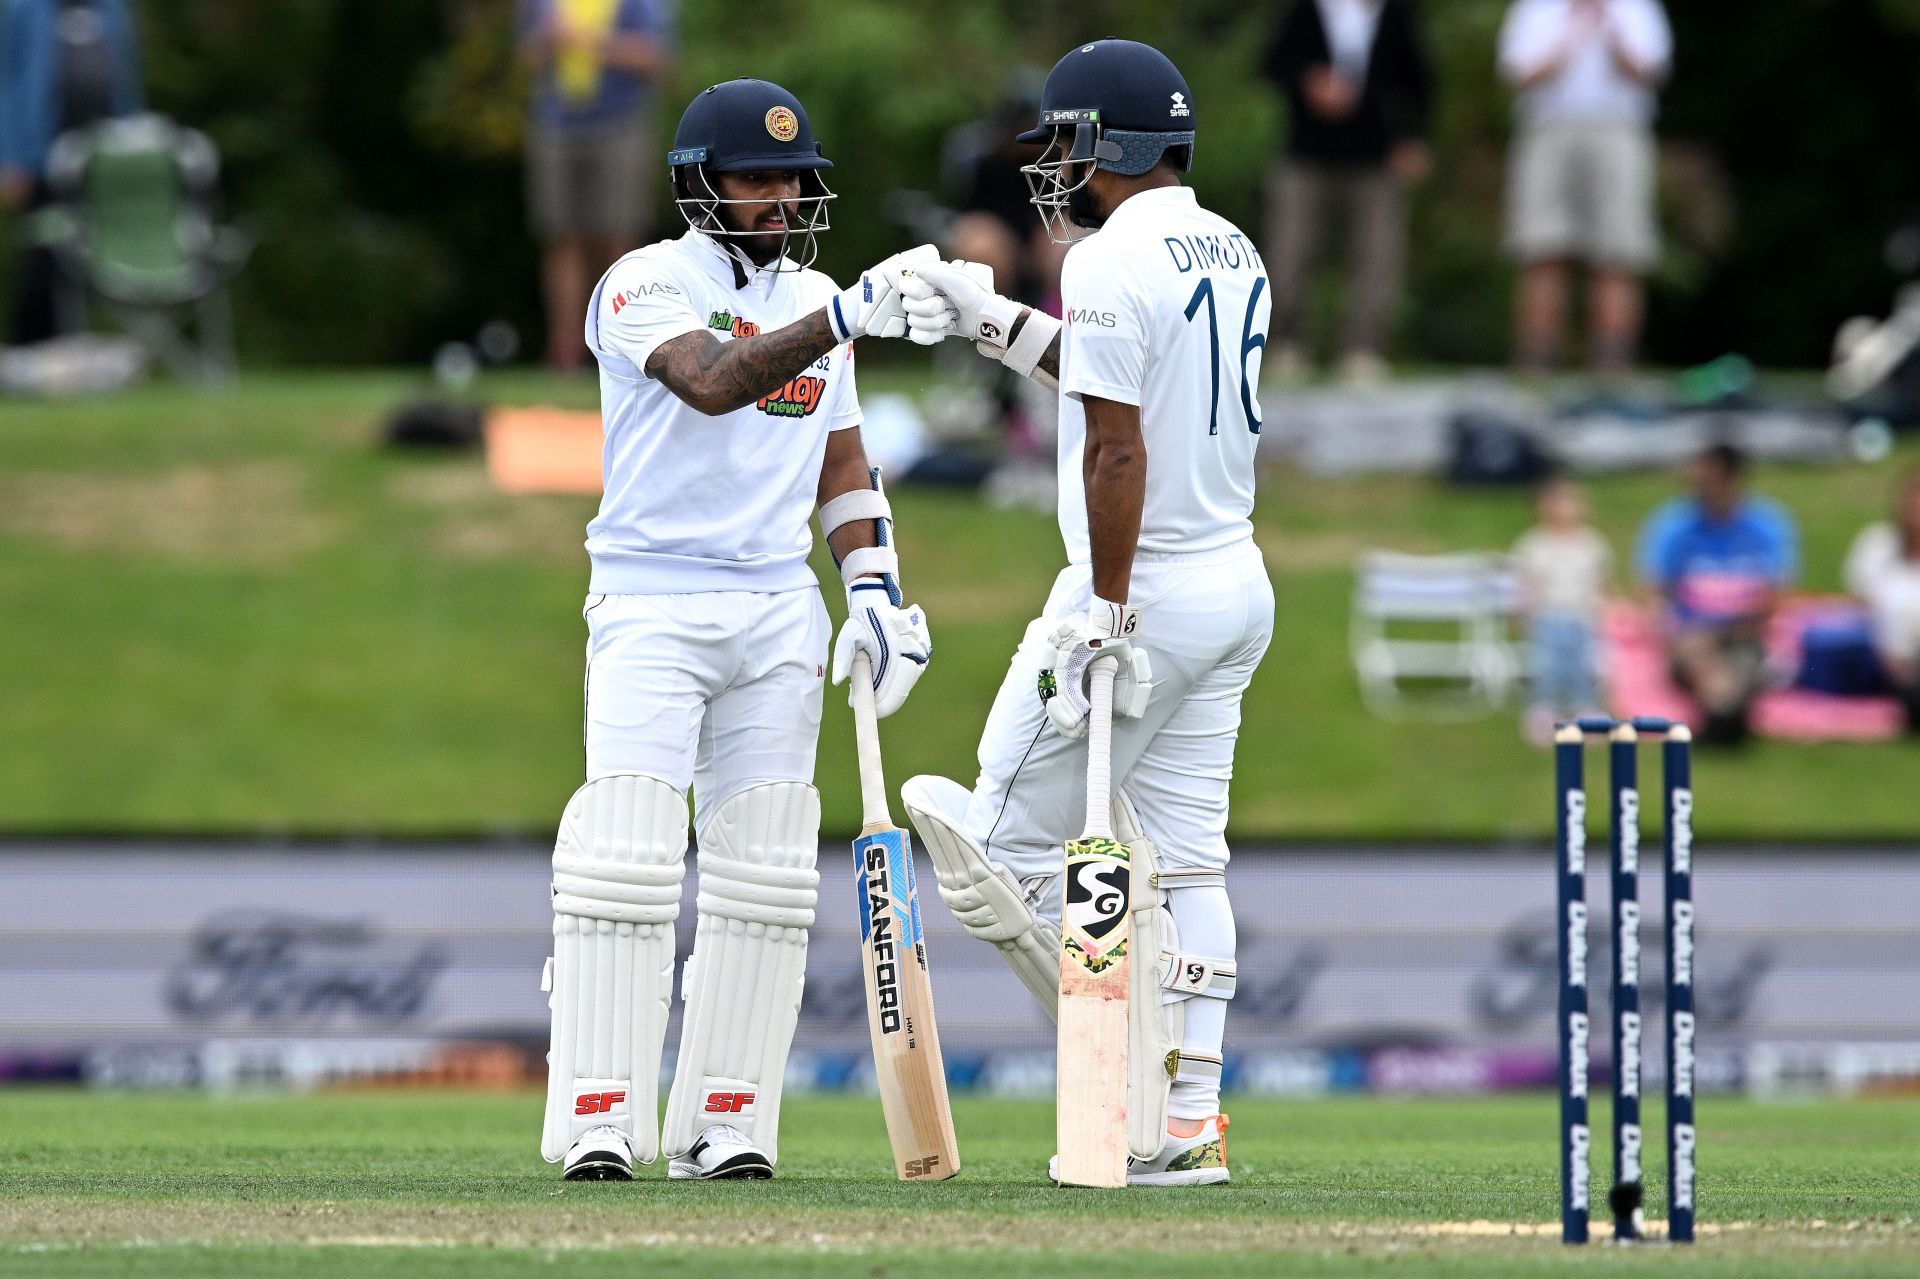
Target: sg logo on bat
<point x="1098" y="897"/>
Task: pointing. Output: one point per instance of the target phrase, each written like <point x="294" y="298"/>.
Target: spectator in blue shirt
<point x="64" y="64"/>
<point x="1717" y="562"/>
<point x="591" y="156"/>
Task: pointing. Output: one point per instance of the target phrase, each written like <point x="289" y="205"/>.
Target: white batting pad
<point x="986" y="901"/>
<point x="617" y="867"/>
<point x="742" y="986"/>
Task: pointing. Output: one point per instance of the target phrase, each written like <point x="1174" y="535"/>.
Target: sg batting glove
<point x="943" y="298"/>
<point x="1104" y="632"/>
<point x="873" y="306"/>
<point x="894" y="638"/>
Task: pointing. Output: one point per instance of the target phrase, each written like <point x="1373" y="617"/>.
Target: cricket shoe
<point x="604" y="1153"/>
<point x="721" y="1152"/>
<point x="1199" y="1160"/>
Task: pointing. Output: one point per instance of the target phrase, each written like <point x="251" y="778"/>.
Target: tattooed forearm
<point x="719" y="377"/>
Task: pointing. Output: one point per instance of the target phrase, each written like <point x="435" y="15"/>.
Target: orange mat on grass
<point x="544" y="450"/>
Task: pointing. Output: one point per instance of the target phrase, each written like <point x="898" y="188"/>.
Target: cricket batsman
<point x="727" y="393"/>
<point x="1157" y="366"/>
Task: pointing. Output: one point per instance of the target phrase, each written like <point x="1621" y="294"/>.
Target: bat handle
<point x="866" y="741"/>
<point x="1100" y="747"/>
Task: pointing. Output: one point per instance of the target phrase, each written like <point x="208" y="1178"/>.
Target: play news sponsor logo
<point x="886" y="955"/>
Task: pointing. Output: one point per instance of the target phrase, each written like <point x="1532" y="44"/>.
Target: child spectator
<point x="1562" y="564"/>
<point x="1883" y="572"/>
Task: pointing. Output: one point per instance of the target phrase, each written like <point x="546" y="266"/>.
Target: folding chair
<point x="1429" y="634"/>
<point x="132" y="223"/>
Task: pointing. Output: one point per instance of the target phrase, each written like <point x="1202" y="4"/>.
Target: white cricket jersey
<point x="699" y="503"/>
<point x="1166" y="308"/>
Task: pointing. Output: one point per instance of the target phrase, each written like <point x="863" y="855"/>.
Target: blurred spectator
<point x="1717" y="562"/>
<point x="997" y="224"/>
<point x="1883" y="571"/>
<point x="591" y="158"/>
<point x="1562" y="565"/>
<point x="1580" y="178"/>
<point x="64" y="64"/>
<point x="1358" y="90"/>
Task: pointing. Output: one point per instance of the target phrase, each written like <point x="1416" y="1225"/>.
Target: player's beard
<point x="763" y="244"/>
<point x="1083" y="210"/>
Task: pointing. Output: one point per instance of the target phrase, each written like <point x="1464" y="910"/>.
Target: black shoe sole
<point x="742" y="1168"/>
<point x="597" y="1167"/>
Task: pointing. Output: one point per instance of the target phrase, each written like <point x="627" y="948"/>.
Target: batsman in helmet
<point x="727" y="394"/>
<point x="1156" y="360"/>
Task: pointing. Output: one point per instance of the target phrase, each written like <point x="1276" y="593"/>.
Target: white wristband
<point x="1035" y="336"/>
<point x="1117" y="621"/>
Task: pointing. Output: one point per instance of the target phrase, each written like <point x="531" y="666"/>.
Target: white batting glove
<point x="1103" y="632"/>
<point x="873" y="307"/>
<point x="893" y="637"/>
<point x="943" y="298"/>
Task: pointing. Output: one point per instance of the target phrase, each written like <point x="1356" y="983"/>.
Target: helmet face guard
<point x="700" y="203"/>
<point x="1080" y="144"/>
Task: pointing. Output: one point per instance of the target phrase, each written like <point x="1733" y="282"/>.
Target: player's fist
<point x="957" y="297"/>
<point x="1104" y="632"/>
<point x="872" y="307"/>
<point x="893" y="637"/>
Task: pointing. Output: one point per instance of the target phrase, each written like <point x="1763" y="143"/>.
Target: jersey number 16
<point x="1251" y="344"/>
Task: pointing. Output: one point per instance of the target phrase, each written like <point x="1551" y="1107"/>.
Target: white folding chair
<point x="1429" y="634"/>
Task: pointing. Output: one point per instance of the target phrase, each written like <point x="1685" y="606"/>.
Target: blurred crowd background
<point x="375" y="145"/>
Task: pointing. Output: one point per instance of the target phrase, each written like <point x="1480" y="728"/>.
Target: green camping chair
<point x="132" y="222"/>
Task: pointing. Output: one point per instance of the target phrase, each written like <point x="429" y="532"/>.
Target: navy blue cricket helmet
<point x="744" y="126"/>
<point x="1117" y="105"/>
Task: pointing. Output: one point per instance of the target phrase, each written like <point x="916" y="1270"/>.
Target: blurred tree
<point x="375" y="147"/>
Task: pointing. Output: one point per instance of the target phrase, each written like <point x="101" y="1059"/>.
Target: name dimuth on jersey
<point x="1229" y="251"/>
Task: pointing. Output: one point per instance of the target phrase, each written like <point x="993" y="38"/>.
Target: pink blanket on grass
<point x="1638" y="683"/>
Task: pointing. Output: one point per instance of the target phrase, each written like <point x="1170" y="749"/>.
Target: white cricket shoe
<point x="1199" y="1160"/>
<point x="721" y="1152"/>
<point x="604" y="1153"/>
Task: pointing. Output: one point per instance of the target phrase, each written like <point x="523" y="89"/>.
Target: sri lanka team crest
<point x="798" y="398"/>
<point x="782" y="124"/>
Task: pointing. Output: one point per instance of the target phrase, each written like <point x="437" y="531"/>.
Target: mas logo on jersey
<point x="782" y="124"/>
<point x="798" y="398"/>
<point x="728" y="322"/>
<point x="627" y="297"/>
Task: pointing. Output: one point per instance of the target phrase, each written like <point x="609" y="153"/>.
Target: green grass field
<point x="448" y="1184"/>
<point x="233" y="612"/>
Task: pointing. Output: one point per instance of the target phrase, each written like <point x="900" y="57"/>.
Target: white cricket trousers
<point x="1205" y="621"/>
<point x="719" y="690"/>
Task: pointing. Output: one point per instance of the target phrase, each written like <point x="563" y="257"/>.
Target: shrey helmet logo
<point x="782" y="124"/>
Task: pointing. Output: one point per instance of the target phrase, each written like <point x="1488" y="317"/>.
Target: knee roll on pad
<point x="617" y="869"/>
<point x="743" y="984"/>
<point x="986" y="900"/>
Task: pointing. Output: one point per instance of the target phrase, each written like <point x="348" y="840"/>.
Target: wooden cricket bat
<point x="893" y="957"/>
<point x="1096" y="926"/>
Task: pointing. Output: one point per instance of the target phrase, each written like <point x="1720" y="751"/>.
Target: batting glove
<point x="873" y="306"/>
<point x="1104" y="632"/>
<point x="944" y="298"/>
<point x="893" y="637"/>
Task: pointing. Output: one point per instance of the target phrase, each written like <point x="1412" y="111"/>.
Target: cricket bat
<point x="1096" y="925"/>
<point x="893" y="957"/>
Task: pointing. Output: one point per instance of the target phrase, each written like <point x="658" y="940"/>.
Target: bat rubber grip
<point x="866" y="741"/>
<point x="1100" y="747"/>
